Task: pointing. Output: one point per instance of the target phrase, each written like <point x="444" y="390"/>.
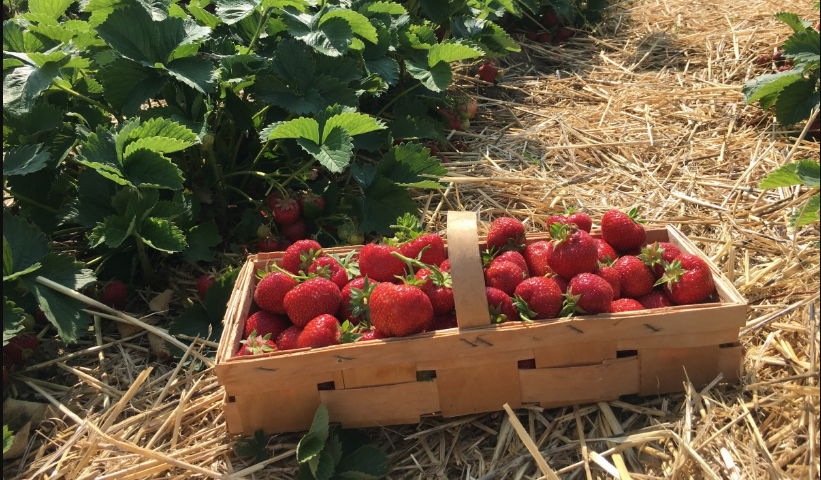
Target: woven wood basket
<point x="473" y="368"/>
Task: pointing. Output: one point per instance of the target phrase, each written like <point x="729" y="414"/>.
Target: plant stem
<point x="26" y="199"/>
<point x="252" y="173"/>
<point x="259" y="29"/>
<point x="97" y="104"/>
<point x="301" y="170"/>
<point x="145" y="262"/>
<point x="388" y="105"/>
<point x="242" y="194"/>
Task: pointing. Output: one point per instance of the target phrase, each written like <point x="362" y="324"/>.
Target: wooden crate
<point x="474" y="367"/>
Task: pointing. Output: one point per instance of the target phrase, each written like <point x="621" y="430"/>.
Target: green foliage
<point x="802" y="172"/>
<point x="8" y="439"/>
<point x="795" y="92"/>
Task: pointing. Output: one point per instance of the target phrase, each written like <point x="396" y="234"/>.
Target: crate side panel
<point x="664" y="370"/>
<point x="478" y="389"/>
<point x="233" y="417"/>
<point x="459" y="361"/>
<point x="386" y="405"/>
<point x="376" y="375"/>
<point x="679" y="340"/>
<point x="288" y="410"/>
<point x="575" y="354"/>
<point x="553" y="387"/>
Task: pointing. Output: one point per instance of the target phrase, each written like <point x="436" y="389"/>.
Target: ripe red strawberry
<point x="444" y="266"/>
<point x="438" y="287"/>
<point x="355" y="304"/>
<point x="269" y="244"/>
<point x="371" y="334"/>
<point x="574" y="251"/>
<point x="537" y="256"/>
<point x="500" y="306"/>
<point x="505" y="276"/>
<point x="550" y="19"/>
<point x="442" y="321"/>
<point x="256" y="344"/>
<point x="563" y="33"/>
<point x="433" y="245"/>
<point x="612" y="276"/>
<point x="582" y="220"/>
<point x="688" y="280"/>
<point x="203" y="284"/>
<point x="544" y="37"/>
<point x="505" y="232"/>
<point x="271" y="290"/>
<point x="377" y="263"/>
<point x="590" y="293"/>
<point x="296" y="230"/>
<point x="323" y="331"/>
<point x="622" y="231"/>
<point x="560" y="282"/>
<point x="328" y="267"/>
<point x="636" y="277"/>
<point x="655" y="299"/>
<point x="657" y="255"/>
<point x="265" y="323"/>
<point x="625" y="305"/>
<point x="453" y="119"/>
<point x="605" y="252"/>
<point x="114" y="294"/>
<point x="400" y="310"/>
<point x="488" y="72"/>
<point x="310" y="299"/>
<point x="300" y="255"/>
<point x="538" y="298"/>
<point x="284" y="208"/>
<point x="514" y="257"/>
<point x="554" y="219"/>
<point x="287" y="340"/>
<point x="311" y="204"/>
<point x="21" y="349"/>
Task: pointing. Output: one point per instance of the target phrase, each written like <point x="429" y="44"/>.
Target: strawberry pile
<point x="314" y="299"/>
<point x="289" y="214"/>
<point x="576" y="274"/>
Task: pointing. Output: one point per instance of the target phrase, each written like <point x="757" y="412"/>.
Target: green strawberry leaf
<point x="232" y="11"/>
<point x="197" y="73"/>
<point x="804" y="46"/>
<point x="450" y="52"/>
<point x="387" y="68"/>
<point x="253" y="447"/>
<point x="194" y="322"/>
<point x="162" y="235"/>
<point x="128" y="85"/>
<point x="303" y="127"/>
<point x="322" y="467"/>
<point x="148" y="168"/>
<point x="25" y="159"/>
<point x="312" y="444"/>
<point x="436" y="78"/>
<point x="201" y="239"/>
<point x="112" y="231"/>
<point x="797" y="101"/>
<point x="22" y="86"/>
<point x="360" y="25"/>
<point x="806" y="213"/>
<point x="25" y="241"/>
<point x="382" y="203"/>
<point x="335" y="151"/>
<point x="792" y="20"/>
<point x="353" y="123"/>
<point x="802" y="172"/>
<point x="52" y="9"/>
<point x="410" y="165"/>
<point x="8" y="437"/>
<point x="366" y="463"/>
<point x="12" y="320"/>
<point x="216" y="300"/>
<point x="767" y="85"/>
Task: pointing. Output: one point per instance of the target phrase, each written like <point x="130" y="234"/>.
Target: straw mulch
<point x="647" y="111"/>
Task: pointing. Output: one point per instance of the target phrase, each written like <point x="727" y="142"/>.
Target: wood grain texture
<point x="475" y="389"/>
<point x="573" y="385"/>
<point x="386" y="405"/>
<point x="466" y="270"/>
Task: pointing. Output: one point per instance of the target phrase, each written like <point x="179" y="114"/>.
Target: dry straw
<point x="647" y="111"/>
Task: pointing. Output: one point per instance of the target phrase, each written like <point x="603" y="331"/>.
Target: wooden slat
<point x="375" y="375"/>
<point x="574" y="354"/>
<point x="664" y="370"/>
<point x="679" y="340"/>
<point x="483" y="388"/>
<point x="472" y="361"/>
<point x="376" y="406"/>
<point x="571" y="385"/>
<point x="466" y="270"/>
<point x="288" y="410"/>
<point x="233" y="417"/>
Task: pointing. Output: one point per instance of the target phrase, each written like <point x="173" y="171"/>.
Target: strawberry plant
<point x="802" y="172"/>
<point x="794" y="90"/>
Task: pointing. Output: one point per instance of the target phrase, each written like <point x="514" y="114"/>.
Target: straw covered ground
<point x="647" y="111"/>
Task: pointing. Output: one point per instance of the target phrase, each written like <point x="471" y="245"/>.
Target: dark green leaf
<point x="25" y="159"/>
<point x="334" y="447"/>
<point x="232" y="11"/>
<point x="27" y="243"/>
<point x="148" y="168"/>
<point x="132" y="33"/>
<point x="216" y="300"/>
<point x="410" y="165"/>
<point x="197" y="73"/>
<point x="93" y="201"/>
<point x="387" y="68"/>
<point x="128" y="85"/>
<point x="807" y="213"/>
<point x="112" y="231"/>
<point x="360" y="25"/>
<point x="323" y="466"/>
<point x="364" y="174"/>
<point x="201" y="239"/>
<point x="194" y="322"/>
<point x="803" y="46"/>
<point x="809" y="171"/>
<point x="766" y="85"/>
<point x="368" y="462"/>
<point x="796" y="102"/>
<point x="253" y="446"/>
<point x="414" y="127"/>
<point x="791" y="19"/>
<point x="12" y="320"/>
<point x="312" y="444"/>
<point x="334" y="153"/>
<point x="437" y="78"/>
<point x="383" y="202"/>
<point x="162" y="235"/>
<point x="22" y="86"/>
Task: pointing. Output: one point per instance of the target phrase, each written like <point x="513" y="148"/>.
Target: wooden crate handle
<point x="466" y="270"/>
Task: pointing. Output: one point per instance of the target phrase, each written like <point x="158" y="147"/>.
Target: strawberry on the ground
<point x="655" y="299"/>
<point x="257" y="344"/>
<point x="203" y="284"/>
<point x="590" y="293"/>
<point x="505" y="276"/>
<point x="605" y="252"/>
<point x="488" y="72"/>
<point x="625" y="305"/>
<point x="453" y="119"/>
<point x="114" y="294"/>
<point x="311" y="204"/>
<point x="271" y="290"/>
<point x="310" y="299"/>
<point x="400" y="310"/>
<point x="442" y="321"/>
<point x="514" y="257"/>
<point x="377" y="262"/>
<point x="296" y="230"/>
<point x="284" y="208"/>
<point x="544" y="37"/>
<point x="537" y="256"/>
<point x="300" y="255"/>
<point x="40" y="315"/>
<point x="688" y="280"/>
<point x="636" y="278"/>
<point x="466" y="107"/>
<point x="287" y="340"/>
<point x="329" y="267"/>
<point x="612" y="276"/>
<point x="657" y="255"/>
<point x="505" y="233"/>
<point x="582" y="220"/>
<point x="550" y="19"/>
<point x="574" y="251"/>
<point x="325" y="330"/>
<point x="563" y="33"/>
<point x="500" y="306"/>
<point x="355" y="304"/>
<point x="265" y="323"/>
<point x="438" y="286"/>
<point x="21" y="348"/>
<point x="269" y="244"/>
<point x="538" y="298"/>
<point x="622" y="231"/>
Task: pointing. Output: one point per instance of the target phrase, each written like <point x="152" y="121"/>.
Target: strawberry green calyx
<point x="349" y="333"/>
<point x="652" y="255"/>
<point x="525" y="312"/>
<point x="672" y="274"/>
<point x="634" y="215"/>
<point x="360" y="302"/>
<point x="407" y="228"/>
<point x="561" y="231"/>
<point x="255" y="344"/>
<point x="570" y="307"/>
